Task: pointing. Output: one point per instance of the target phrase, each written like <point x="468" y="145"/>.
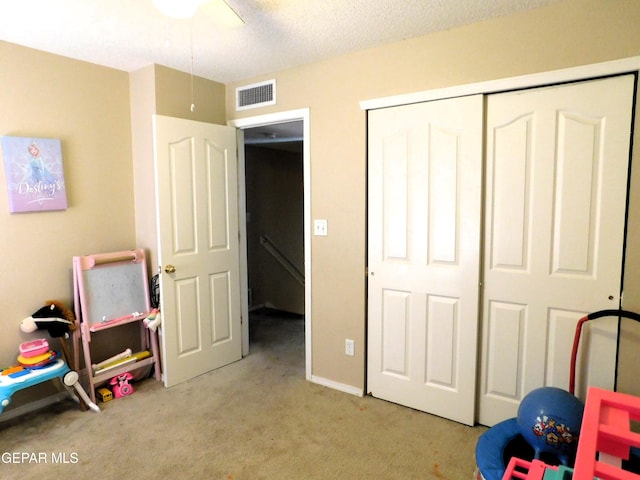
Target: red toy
<point x="607" y="437"/>
<point x="534" y="470"/>
<point x="606" y="441"/>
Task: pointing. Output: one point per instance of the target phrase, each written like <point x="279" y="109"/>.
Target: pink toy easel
<point x="110" y="290"/>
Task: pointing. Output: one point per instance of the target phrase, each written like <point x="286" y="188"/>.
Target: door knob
<point x="170" y="269"/>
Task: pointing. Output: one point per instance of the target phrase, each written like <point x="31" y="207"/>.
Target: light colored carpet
<point x="255" y="419"/>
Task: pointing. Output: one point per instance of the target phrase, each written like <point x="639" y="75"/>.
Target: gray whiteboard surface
<point x="114" y="290"/>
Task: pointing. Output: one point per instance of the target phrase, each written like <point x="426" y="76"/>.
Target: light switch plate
<point x="320" y="228"/>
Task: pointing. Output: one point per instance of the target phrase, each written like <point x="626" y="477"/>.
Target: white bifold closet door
<point x="557" y="166"/>
<point x="542" y="173"/>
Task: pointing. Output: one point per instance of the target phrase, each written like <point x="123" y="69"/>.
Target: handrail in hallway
<point x="271" y="247"/>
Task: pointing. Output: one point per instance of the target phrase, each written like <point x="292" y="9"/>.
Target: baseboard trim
<point x="338" y="386"/>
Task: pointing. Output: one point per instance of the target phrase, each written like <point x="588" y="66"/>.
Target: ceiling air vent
<point x="256" y="95"/>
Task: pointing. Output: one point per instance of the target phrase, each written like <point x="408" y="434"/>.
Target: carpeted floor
<point x="255" y="419"/>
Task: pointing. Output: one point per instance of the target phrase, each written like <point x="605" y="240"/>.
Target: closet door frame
<point x="586" y="72"/>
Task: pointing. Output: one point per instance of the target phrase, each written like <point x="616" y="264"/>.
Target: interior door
<point x="196" y="189"/>
<point x="557" y="164"/>
<point x="425" y="175"/>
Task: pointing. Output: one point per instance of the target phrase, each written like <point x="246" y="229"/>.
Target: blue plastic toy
<point x="28" y="377"/>
<point x="549" y="419"/>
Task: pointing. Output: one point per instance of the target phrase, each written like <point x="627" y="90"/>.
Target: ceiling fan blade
<point x="222" y="14"/>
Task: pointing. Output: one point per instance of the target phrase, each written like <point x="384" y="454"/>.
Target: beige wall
<point x="156" y="89"/>
<point x="174" y="99"/>
<point x="569" y="33"/>
<point x="87" y="108"/>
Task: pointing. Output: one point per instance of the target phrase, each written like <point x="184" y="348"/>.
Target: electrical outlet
<point x="349" y="347"/>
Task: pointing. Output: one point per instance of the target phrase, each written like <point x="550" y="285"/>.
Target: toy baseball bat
<point x="117" y="363"/>
<point x="119" y="356"/>
<point x="124" y="361"/>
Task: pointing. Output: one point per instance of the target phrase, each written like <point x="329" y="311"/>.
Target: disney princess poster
<point x="35" y="175"/>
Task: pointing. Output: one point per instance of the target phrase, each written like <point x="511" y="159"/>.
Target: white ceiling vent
<point x="256" y="95"/>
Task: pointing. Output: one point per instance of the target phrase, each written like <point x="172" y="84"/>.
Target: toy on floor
<point x="549" y="419"/>
<point x="37" y="362"/>
<point x="19" y="377"/>
<point x="26" y="377"/>
<point x="547" y="427"/>
<point x="534" y="470"/>
<point x="552" y="437"/>
<point x="607" y="448"/>
<point x="121" y="386"/>
<point x="104" y="394"/>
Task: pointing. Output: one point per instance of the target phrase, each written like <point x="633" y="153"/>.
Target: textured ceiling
<point x="278" y="34"/>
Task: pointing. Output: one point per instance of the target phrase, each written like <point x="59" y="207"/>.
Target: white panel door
<point x="425" y="168"/>
<point x="196" y="189"/>
<point x="556" y="174"/>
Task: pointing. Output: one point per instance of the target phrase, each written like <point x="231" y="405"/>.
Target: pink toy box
<point x="34" y="348"/>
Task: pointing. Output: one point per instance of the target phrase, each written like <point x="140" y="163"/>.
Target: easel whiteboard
<point x="112" y="285"/>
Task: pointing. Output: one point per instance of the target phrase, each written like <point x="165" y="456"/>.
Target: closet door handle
<point x="170" y="269"/>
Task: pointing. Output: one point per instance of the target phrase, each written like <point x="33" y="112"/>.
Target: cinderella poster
<point x="35" y="176"/>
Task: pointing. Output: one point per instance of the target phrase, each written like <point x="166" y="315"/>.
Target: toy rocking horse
<point x="57" y="320"/>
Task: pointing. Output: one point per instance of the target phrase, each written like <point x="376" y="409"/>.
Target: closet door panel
<point x="425" y="174"/>
<point x="510" y="195"/>
<point x="576" y="193"/>
<point x="506" y="325"/>
<point x="443" y="196"/>
<point x="557" y="163"/>
<point x="395" y="203"/>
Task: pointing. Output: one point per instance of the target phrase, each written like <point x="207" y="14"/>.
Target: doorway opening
<point x="286" y="132"/>
<point x="274" y="191"/>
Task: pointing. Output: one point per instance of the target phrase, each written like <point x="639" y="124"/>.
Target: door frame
<point x="258" y="121"/>
<point x="547" y="78"/>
